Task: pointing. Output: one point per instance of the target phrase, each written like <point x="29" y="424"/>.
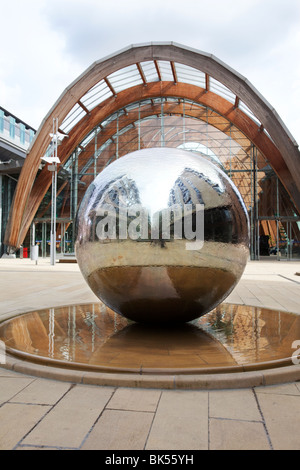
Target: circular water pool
<point x="92" y="337"/>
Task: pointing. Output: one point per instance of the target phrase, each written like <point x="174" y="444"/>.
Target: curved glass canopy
<point x="144" y="73"/>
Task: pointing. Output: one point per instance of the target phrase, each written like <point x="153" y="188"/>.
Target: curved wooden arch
<point x="286" y="156"/>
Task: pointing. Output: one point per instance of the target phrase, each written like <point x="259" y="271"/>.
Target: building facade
<point x="15" y="138"/>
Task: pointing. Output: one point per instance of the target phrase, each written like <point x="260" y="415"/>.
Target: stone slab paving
<point x="180" y="422"/>
<point x="45" y="414"/>
<point x="71" y="419"/>
<point x="120" y="430"/>
<point x="39" y="413"/>
<point x="280" y="408"/>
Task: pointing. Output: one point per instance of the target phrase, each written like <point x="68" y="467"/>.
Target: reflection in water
<point x="93" y="335"/>
<point x="252" y="334"/>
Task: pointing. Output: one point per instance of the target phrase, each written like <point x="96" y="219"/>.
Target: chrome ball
<point x="162" y="235"/>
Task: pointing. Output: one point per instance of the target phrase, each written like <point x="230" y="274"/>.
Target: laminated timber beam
<point x="174" y="72"/>
<point x="206" y="82"/>
<point x="141" y="73"/>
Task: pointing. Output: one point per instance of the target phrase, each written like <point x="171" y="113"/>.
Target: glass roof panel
<point x="190" y="75"/>
<point x="247" y="111"/>
<point x="72" y="118"/>
<point x="130" y="76"/>
<point x="150" y="71"/>
<point x="165" y="70"/>
<point x="96" y="95"/>
<point x="125" y="78"/>
<point x="221" y="90"/>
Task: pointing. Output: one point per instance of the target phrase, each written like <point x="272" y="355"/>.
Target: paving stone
<point x="71" y="419"/>
<point x="237" y="435"/>
<point x="10" y="386"/>
<point x="134" y="399"/>
<point x="282" y="417"/>
<point x="42" y="391"/>
<point x="120" y="430"/>
<point x="234" y="404"/>
<point x="181" y="422"/>
<point x="16" y="421"/>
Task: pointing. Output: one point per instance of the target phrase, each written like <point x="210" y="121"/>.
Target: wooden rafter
<point x="206" y="82"/>
<point x="83" y="107"/>
<point x="141" y="72"/>
<point x="110" y="86"/>
<point x="157" y="70"/>
<point x="62" y="132"/>
<point x="174" y="72"/>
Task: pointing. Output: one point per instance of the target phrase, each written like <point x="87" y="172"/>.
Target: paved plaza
<point x="38" y="413"/>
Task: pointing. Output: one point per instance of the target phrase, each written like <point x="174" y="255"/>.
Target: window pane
<point x="12" y="127"/>
<point x="1" y="120"/>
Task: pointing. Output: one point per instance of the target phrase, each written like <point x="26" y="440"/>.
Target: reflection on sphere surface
<point x="156" y="276"/>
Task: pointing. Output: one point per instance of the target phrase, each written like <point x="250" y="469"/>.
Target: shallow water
<point x="94" y="336"/>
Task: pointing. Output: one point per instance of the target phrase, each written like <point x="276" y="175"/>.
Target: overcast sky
<point x="46" y="44"/>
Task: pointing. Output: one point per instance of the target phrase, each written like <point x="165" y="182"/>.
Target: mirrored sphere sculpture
<point x="162" y="236"/>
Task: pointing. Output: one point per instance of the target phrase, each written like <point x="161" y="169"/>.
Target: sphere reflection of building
<point x="156" y="278"/>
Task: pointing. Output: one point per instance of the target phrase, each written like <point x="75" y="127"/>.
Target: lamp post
<point x="53" y="214"/>
<point x="56" y="138"/>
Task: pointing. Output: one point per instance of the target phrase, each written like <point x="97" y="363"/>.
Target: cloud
<point x="56" y="40"/>
<point x="33" y="62"/>
<point x="233" y="28"/>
